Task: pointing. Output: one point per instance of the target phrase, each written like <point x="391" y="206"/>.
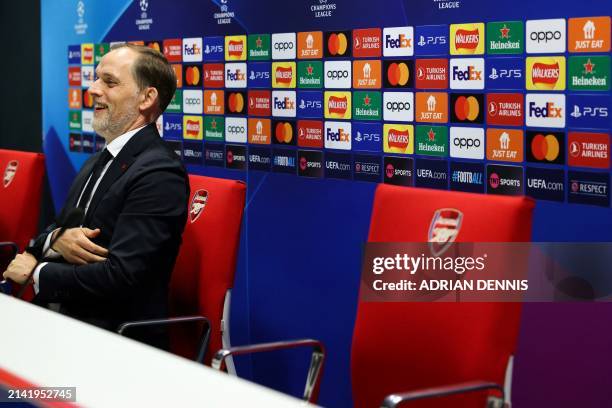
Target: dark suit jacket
<point x="140" y="207"/>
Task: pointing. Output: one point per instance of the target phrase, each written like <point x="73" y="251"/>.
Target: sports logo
<point x="504" y="180"/>
<point x="467" y="108"/>
<point x="283" y="104"/>
<point x="192" y="75"/>
<point x="546" y="147"/>
<point x="283" y="46"/>
<point x="172" y="126"/>
<point x="88" y="100"/>
<point x="588" y="111"/>
<point x="192" y="101"/>
<point x="398" y="106"/>
<point x="367" y="136"/>
<point x="505" y="37"/>
<point x="193" y="152"/>
<point x="235" y="130"/>
<point x="74" y="76"/>
<point x="398" y="73"/>
<point x="260" y="74"/>
<point x="310" y="163"/>
<point x="398" y="170"/>
<point x="235" y="157"/>
<point x="589" y="34"/>
<point x="545" y="184"/>
<point x="588" y="188"/>
<point x="467" y="177"/>
<point x="505" y="145"/>
<point x="87" y="121"/>
<point x="431" y="40"/>
<point x="367" y="43"/>
<point x="192" y="49"/>
<point x="260" y="103"/>
<point x="310" y="45"/>
<point x="545" y="110"/>
<point x="259" y="47"/>
<point x="310" y="104"/>
<point x="432" y="107"/>
<point x="398" y="41"/>
<point x="431" y="73"/>
<point x="87" y="54"/>
<point x="431" y="174"/>
<point x="260" y="131"/>
<point x="235" y="47"/>
<point x="505" y="73"/>
<point x="367" y="74"/>
<point x="338" y="165"/>
<point x="213" y="48"/>
<point x="310" y="74"/>
<point x="235" y="102"/>
<point x="338" y="74"/>
<point x="235" y="75"/>
<point x="467" y="143"/>
<point x="284" y="132"/>
<point x="173" y="50"/>
<point x="74" y="54"/>
<point x="87" y="76"/>
<point x="310" y="133"/>
<point x="283" y="75"/>
<point x="338" y="135"/>
<point x="192" y="127"/>
<point x="545" y="36"/>
<point x="467" y="39"/>
<point x="260" y="158"/>
<point x="398" y="138"/>
<point x="74" y="142"/>
<point x="431" y="140"/>
<point x="467" y="73"/>
<point x="214" y="128"/>
<point x="588" y="150"/>
<point x="367" y="168"/>
<point x="443" y="229"/>
<point x="9" y="172"/>
<point x="505" y="109"/>
<point x="214" y="75"/>
<point x="367" y="105"/>
<point x="337" y="105"/>
<point x="337" y="44"/>
<point x="589" y="73"/>
<point x="74" y="98"/>
<point x="546" y="73"/>
<point x="178" y="73"/>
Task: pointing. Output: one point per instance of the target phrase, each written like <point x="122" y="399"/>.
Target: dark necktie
<point x="104" y="158"/>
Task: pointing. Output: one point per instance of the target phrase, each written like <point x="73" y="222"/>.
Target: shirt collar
<point x="117" y="144"/>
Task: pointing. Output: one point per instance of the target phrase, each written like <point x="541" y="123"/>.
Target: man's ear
<point x="148" y="99"/>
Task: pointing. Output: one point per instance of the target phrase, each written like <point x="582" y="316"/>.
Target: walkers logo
<point x="260" y="103"/>
<point x="193" y="152"/>
<point x="284" y="132"/>
<point x="468" y="177"/>
<point x="310" y="45"/>
<point x="310" y="104"/>
<point x="235" y="75"/>
<point x="367" y="74"/>
<point x="213" y="48"/>
<point x="102" y="49"/>
<point x="87" y="54"/>
<point x="74" y="54"/>
<point x="192" y="127"/>
<point x="546" y="73"/>
<point x="214" y="128"/>
<point x="432" y="107"/>
<point x="178" y="73"/>
<point x="74" y="120"/>
<point x="284" y="46"/>
<point x="431" y="40"/>
<point x="260" y="74"/>
<point x="545" y="110"/>
<point x="431" y="74"/>
<point x="337" y="44"/>
<point x="505" y="145"/>
<point x="398" y="106"/>
<point x="283" y="161"/>
<point x="467" y="73"/>
<point x="467" y="143"/>
<point x="467" y="39"/>
<point x="310" y="163"/>
<point x="235" y="47"/>
<point x="398" y="171"/>
<point x="588" y="188"/>
<point x="467" y="108"/>
<point x="74" y="76"/>
<point x="214" y="75"/>
<point x="198" y="202"/>
<point x="367" y="168"/>
<point x="546" y="147"/>
<point x="310" y="74"/>
<point x="214" y="154"/>
<point x="398" y="74"/>
<point x="310" y="133"/>
<point x="172" y="126"/>
<point x="173" y="50"/>
<point x="192" y="49"/>
<point x="398" y="41"/>
<point x="74" y="98"/>
<point x="367" y="43"/>
<point x="545" y="184"/>
<point x="259" y="47"/>
<point x="431" y="140"/>
<point x="87" y="76"/>
<point x="338" y="74"/>
<point x="431" y="174"/>
<point x="367" y="136"/>
<point x="505" y="73"/>
<point x="260" y="158"/>
<point x="504" y="180"/>
<point x="588" y="111"/>
<point x="236" y="130"/>
<point x="192" y="75"/>
<point x="235" y="102"/>
<point x="588" y="150"/>
<point x="338" y="135"/>
<point x="589" y="34"/>
<point x="283" y="104"/>
<point x="338" y="165"/>
<point x="192" y="101"/>
<point x="283" y="75"/>
<point x="505" y="37"/>
<point x="260" y="131"/>
<point x="176" y="103"/>
<point x="505" y="109"/>
<point x="88" y="100"/>
<point x="545" y="36"/>
<point x="589" y="73"/>
<point x="398" y="138"/>
<point x="367" y="105"/>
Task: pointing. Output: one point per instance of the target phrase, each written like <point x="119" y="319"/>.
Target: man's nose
<point x="94" y="89"/>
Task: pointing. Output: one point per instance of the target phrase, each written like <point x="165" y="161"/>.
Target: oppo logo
<point x="466" y="142"/>
<point x="398" y="106"/>
<point x="282" y="46"/>
<point x="193" y="101"/>
<point x="546" y="36"/>
<point x="236" y="129"/>
<point x="338" y="74"/>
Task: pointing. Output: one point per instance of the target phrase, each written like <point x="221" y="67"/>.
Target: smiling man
<point x="132" y="198"/>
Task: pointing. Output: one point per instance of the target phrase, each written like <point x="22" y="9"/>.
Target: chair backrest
<point x="206" y="263"/>
<point x="400" y="347"/>
<point x="20" y="194"/>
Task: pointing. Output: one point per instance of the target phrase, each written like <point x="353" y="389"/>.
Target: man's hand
<point x="20" y="268"/>
<point x="75" y="246"/>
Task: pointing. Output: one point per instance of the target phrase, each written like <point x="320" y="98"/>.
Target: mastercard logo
<point x="337" y="43"/>
<point x="235" y="102"/>
<point x="283" y="132"/>
<point x="398" y="74"/>
<point x="467" y="108"/>
<point x="545" y="148"/>
<point x="192" y="76"/>
<point x="87" y="99"/>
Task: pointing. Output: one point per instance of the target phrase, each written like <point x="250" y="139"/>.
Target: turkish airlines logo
<point x="9" y="173"/>
<point x="431" y="73"/>
<point x="213" y="75"/>
<point x="589" y="150"/>
<point x="198" y="202"/>
<point x="443" y="230"/>
<point x="310" y="133"/>
<point x="367" y="42"/>
<point x="173" y="50"/>
<point x="260" y="103"/>
<point x="505" y="109"/>
<point x="74" y="76"/>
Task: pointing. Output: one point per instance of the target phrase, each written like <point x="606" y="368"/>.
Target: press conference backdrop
<point x="313" y="102"/>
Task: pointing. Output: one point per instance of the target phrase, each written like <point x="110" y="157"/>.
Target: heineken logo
<point x="505" y="37"/>
<point x="310" y="74"/>
<point x="431" y="140"/>
<point x="589" y="73"/>
<point x="367" y="105"/>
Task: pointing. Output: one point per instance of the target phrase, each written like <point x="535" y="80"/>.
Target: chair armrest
<point x="10" y="245"/>
<point x="5" y="285"/>
<point x="393" y="400"/>
<point x="204" y="339"/>
<point x="315" y="370"/>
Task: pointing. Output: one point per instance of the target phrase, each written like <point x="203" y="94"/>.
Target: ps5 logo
<point x="589" y="111"/>
<point x="367" y="137"/>
<point x="213" y="49"/>
<point x="310" y="104"/>
<point x="505" y="73"/>
<point x="431" y="40"/>
<point x="259" y="75"/>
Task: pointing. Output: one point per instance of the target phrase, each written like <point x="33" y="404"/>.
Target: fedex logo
<point x="398" y="41"/>
<point x="467" y="73"/>
<point x="235" y="75"/>
<point x="546" y="110"/>
<point x="283" y="104"/>
<point x="338" y="135"/>
<point x="192" y="49"/>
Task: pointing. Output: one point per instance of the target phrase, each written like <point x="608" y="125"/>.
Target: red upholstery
<point x="406" y="346"/>
<point x="206" y="263"/>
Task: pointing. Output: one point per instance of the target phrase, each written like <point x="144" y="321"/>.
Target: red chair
<point x="404" y="347"/>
